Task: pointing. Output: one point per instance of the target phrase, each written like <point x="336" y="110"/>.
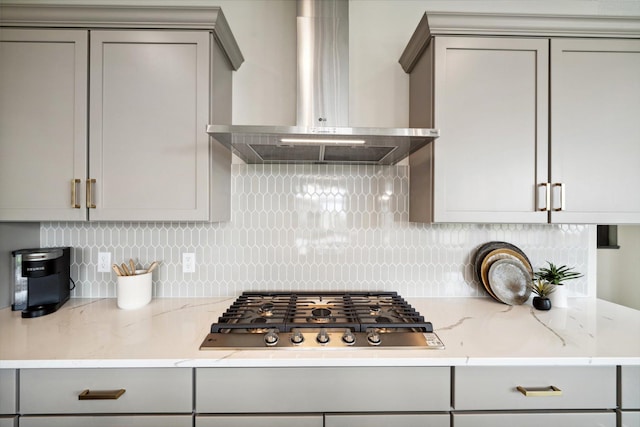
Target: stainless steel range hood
<point x="322" y="133"/>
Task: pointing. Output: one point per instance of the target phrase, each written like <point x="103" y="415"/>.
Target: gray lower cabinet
<point x="109" y="421"/>
<point x="51" y="392"/>
<point x="260" y="421"/>
<point x="588" y="419"/>
<point x="8" y="421"/>
<point x="8" y="392"/>
<point x="629" y="398"/>
<point x="386" y="420"/>
<point x="532" y="396"/>
<point x="322" y="390"/>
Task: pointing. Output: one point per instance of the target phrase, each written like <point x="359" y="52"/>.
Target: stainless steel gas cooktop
<point x="321" y="320"/>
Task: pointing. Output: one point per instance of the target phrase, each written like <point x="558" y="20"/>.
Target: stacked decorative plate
<point x="505" y="271"/>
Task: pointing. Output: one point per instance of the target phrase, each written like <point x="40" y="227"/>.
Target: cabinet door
<point x="590" y="419"/>
<point x="148" y="112"/>
<point x="496" y="387"/>
<point x="630" y="387"/>
<point x="109" y="421"/>
<point x="146" y="390"/>
<point x="386" y="420"/>
<point x="491" y="106"/>
<point x="322" y="389"/>
<point x="43" y="131"/>
<point x="595" y="143"/>
<point x="260" y="421"/>
<point x="8" y="391"/>
<point x="8" y="421"/>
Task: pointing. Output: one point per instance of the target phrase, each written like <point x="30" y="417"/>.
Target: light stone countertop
<point x="168" y="333"/>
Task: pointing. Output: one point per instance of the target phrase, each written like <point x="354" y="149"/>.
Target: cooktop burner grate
<point x="358" y="311"/>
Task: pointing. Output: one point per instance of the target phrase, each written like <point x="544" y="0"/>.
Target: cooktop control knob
<point x="373" y="337"/>
<point x="271" y="338"/>
<point x="297" y="337"/>
<point x="323" y="336"/>
<point x="348" y="338"/>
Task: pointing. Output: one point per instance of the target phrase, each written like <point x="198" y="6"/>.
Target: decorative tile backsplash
<point x="311" y="227"/>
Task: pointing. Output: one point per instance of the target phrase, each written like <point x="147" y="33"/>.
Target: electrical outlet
<point x="104" y="262"/>
<point x="188" y="262"/>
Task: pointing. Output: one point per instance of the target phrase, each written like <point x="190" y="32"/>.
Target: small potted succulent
<point x="542" y="289"/>
<point x="557" y="275"/>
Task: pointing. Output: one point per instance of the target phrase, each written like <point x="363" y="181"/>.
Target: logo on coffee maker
<point x="41" y="268"/>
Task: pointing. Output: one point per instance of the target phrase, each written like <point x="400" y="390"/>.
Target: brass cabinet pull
<point x="74" y="188"/>
<point x="540" y="391"/>
<point x="90" y="204"/>
<point x="561" y="185"/>
<point x="101" y="394"/>
<point x="547" y="196"/>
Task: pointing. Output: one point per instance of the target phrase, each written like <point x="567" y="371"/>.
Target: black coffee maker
<point x="41" y="280"/>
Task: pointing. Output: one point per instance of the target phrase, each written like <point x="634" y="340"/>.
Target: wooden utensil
<point x="116" y="269"/>
<point x="125" y="270"/>
<point x="152" y="267"/>
<point x="133" y="267"/>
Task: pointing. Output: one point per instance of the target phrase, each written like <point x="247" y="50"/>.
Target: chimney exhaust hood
<point x="322" y="133"/>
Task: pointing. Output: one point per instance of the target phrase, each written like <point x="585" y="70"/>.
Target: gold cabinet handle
<point x="101" y="394"/>
<point x="547" y="196"/>
<point x="90" y="183"/>
<point x="74" y="188"/>
<point x="561" y="185"/>
<point x="540" y="391"/>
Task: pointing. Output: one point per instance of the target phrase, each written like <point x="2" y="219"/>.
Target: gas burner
<point x="266" y="309"/>
<point x="321" y="315"/>
<point x="375" y="310"/>
<point x="258" y="321"/>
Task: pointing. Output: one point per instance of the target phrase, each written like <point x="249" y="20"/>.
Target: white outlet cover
<point x="188" y="262"/>
<point x="104" y="262"/>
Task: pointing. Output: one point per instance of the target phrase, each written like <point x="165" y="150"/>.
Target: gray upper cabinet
<point x="533" y="130"/>
<point x="595" y="143"/>
<point x="114" y="129"/>
<point x="43" y="126"/>
<point x="489" y="97"/>
<point x="148" y="111"/>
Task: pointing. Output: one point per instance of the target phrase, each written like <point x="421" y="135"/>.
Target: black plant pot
<point x="542" y="303"/>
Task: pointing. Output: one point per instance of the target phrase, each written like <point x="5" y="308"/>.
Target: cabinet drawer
<point x="629" y="418"/>
<point x="8" y="391"/>
<point x="386" y="420"/>
<point x="109" y="421"/>
<point x="8" y="421"/>
<point x="260" y="421"/>
<point x="576" y="419"/>
<point x="323" y="389"/>
<point x="589" y="387"/>
<point x="630" y="387"/>
<point x="56" y="391"/>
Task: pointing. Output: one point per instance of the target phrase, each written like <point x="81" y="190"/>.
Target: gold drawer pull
<point x="74" y="186"/>
<point x="540" y="391"/>
<point x="90" y="183"/>
<point x="101" y="394"/>
<point x="562" y="197"/>
<point x="547" y="196"/>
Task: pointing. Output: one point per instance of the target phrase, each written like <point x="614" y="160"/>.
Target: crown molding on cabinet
<point x="490" y="24"/>
<point x="117" y="16"/>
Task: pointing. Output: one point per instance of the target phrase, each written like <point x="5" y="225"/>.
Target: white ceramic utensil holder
<point x="134" y="291"/>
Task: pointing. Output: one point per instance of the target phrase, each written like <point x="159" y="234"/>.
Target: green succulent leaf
<point x="556" y="274"/>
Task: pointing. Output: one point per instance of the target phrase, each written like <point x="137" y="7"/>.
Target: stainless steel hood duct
<point x="322" y="133"/>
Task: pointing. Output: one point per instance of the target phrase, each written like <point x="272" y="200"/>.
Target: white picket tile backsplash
<point x="311" y="227"/>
